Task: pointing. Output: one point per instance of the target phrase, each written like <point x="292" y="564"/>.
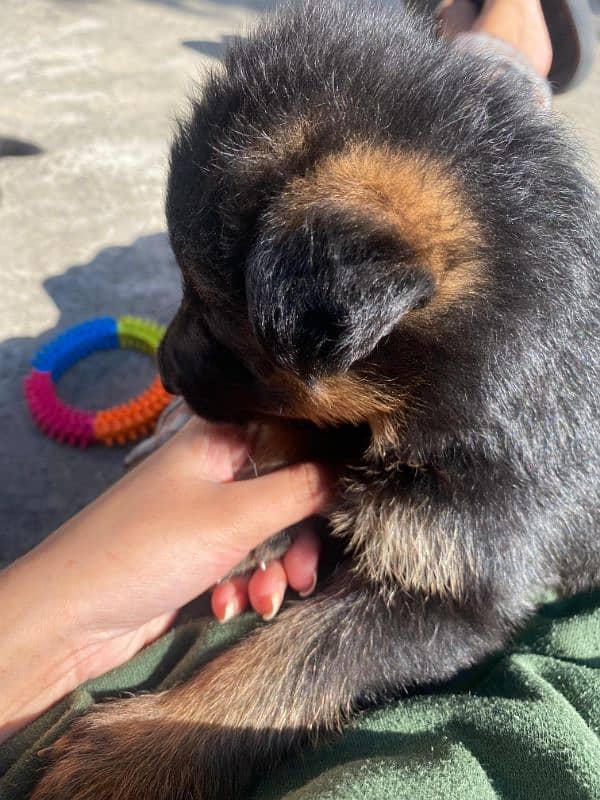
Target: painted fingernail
<point x="231" y="609"/>
<point x="275" y="600"/>
<point x="311" y="588"/>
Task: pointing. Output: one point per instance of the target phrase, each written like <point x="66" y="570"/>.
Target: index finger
<point x="258" y="508"/>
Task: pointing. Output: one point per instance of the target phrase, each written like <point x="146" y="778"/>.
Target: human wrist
<point x="38" y="665"/>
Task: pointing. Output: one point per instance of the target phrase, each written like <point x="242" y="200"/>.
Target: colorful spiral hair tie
<point x="117" y="425"/>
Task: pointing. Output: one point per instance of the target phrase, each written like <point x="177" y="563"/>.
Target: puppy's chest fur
<point x="392" y="540"/>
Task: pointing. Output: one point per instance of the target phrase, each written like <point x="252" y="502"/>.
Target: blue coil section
<point x="76" y="343"/>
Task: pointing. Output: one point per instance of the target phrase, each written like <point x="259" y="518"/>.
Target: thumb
<point x="258" y="508"/>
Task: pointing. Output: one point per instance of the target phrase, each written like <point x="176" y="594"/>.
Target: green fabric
<point x="524" y="725"/>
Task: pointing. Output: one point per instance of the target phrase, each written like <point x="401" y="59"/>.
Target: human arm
<point x="112" y="578"/>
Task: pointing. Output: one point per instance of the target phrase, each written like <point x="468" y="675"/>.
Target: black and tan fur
<point x="381" y="234"/>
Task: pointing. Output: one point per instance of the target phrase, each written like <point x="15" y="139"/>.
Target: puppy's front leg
<point x="287" y="683"/>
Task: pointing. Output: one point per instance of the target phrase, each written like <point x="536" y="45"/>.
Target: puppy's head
<point x="340" y="269"/>
<point x="334" y="257"/>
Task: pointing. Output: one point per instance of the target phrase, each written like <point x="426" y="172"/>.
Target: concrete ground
<point x="96" y="86"/>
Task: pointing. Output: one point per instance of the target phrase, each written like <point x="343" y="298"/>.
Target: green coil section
<point x="140" y="334"/>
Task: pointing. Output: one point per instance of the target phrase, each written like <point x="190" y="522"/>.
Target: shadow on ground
<point x="207" y="48"/>
<point x="198" y="7"/>
<point x="42" y="482"/>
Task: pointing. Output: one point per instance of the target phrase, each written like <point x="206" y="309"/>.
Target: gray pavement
<point x="96" y="86"/>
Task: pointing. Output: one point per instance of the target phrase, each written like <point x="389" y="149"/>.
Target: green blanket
<point x="523" y="725"/>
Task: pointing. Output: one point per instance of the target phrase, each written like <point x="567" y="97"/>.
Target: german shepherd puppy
<point x="374" y="230"/>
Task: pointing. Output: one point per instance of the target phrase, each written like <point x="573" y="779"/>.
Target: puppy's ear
<point x="322" y="295"/>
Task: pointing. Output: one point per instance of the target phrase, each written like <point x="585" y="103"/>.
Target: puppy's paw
<point x="275" y="547"/>
<point x="122" y="750"/>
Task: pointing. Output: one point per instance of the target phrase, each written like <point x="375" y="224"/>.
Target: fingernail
<point x="231" y="610"/>
<point x="276" y="601"/>
<point x="311" y="588"/>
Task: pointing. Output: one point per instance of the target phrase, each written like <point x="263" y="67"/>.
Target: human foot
<point x="519" y="23"/>
<point x="456" y="16"/>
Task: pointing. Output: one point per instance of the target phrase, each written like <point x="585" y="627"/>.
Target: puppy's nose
<point x="170" y="387"/>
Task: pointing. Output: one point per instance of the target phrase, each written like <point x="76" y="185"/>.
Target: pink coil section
<point x="55" y="418"/>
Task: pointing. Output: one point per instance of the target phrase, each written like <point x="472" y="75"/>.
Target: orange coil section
<point x="129" y="421"/>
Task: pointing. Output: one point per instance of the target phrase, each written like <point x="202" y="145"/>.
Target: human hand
<point x="112" y="578"/>
<point x="265" y="589"/>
